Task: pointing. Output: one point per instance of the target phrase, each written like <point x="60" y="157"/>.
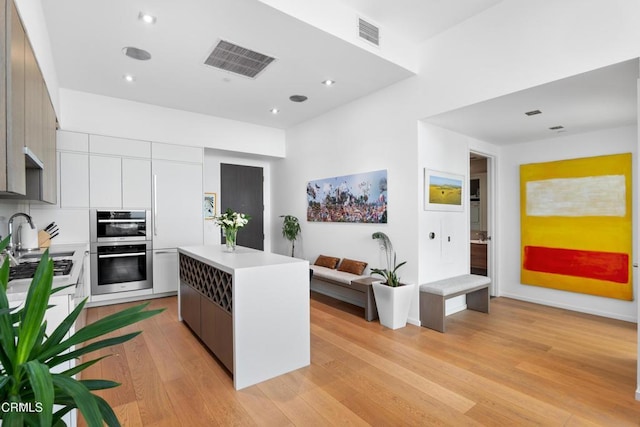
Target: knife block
<point x="44" y="239"/>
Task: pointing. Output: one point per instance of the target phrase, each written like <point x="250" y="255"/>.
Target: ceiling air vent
<point x="368" y="32"/>
<point x="239" y="60"/>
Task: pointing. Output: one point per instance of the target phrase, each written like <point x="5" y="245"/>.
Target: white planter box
<point x="393" y="304"/>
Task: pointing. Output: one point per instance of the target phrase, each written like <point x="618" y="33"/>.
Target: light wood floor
<point x="523" y="364"/>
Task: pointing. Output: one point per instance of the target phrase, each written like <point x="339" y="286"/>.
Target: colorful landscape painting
<point x="351" y="198"/>
<point x="443" y="191"/>
<point x="576" y="225"/>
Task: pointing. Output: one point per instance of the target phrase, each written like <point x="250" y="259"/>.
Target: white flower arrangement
<point x="231" y="220"/>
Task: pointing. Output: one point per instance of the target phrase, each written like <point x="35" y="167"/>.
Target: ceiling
<point x="599" y="99"/>
<point x="87" y="38"/>
<point x="418" y="20"/>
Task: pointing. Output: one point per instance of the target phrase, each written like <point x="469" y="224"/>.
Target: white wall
<point x="603" y="142"/>
<point x="518" y="44"/>
<point x="212" y="161"/>
<point x="360" y="137"/>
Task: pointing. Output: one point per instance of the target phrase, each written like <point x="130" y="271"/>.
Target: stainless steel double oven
<point x="121" y="256"/>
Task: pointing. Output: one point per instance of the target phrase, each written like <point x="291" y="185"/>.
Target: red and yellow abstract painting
<point x="576" y="225"/>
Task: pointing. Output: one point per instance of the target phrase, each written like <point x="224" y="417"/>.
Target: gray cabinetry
<point x="205" y="305"/>
<point x="190" y="307"/>
<point x="27" y="118"/>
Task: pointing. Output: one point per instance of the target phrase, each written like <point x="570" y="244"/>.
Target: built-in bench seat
<point x="433" y="296"/>
<point x="348" y="287"/>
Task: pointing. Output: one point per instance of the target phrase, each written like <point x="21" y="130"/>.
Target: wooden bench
<point x="433" y="296"/>
<point x="350" y="288"/>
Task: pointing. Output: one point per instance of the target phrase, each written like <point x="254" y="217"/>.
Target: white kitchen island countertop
<point x="270" y="313"/>
<point x="242" y="257"/>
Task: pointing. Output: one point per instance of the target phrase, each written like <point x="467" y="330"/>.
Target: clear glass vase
<point x="230" y="235"/>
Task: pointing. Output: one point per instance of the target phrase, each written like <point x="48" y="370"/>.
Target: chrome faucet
<point x="10" y="247"/>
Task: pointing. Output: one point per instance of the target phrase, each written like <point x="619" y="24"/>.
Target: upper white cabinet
<point x="136" y="183"/>
<point x="176" y="153"/>
<point x="104" y="172"/>
<point x="74" y="180"/>
<point x="105" y="182"/>
<point x="73" y="154"/>
<point x="119" y="183"/>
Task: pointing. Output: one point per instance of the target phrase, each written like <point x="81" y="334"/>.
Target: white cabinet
<point x="136" y="183"/>
<point x="177" y="218"/>
<point x="105" y="181"/>
<point x="165" y="271"/>
<point x="119" y="183"/>
<point x="177" y="204"/>
<point x="74" y="180"/>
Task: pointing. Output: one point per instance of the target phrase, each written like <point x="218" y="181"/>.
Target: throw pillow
<point x="327" y="261"/>
<point x="352" y="266"/>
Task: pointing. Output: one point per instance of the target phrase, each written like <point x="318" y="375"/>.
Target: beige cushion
<point x="335" y="275"/>
<point x="456" y="284"/>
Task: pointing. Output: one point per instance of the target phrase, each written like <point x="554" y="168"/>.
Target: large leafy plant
<point x="390" y="273"/>
<point x="28" y="387"/>
<point x="290" y="230"/>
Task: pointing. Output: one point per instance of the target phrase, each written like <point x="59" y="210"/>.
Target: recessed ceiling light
<point x="274" y="111"/>
<point x="135" y="53"/>
<point x="298" y="98"/>
<point x="129" y="78"/>
<point x="146" y="18"/>
<point x="329" y="82"/>
<point x="533" y="112"/>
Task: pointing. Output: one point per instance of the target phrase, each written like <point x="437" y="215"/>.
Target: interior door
<point x="241" y="190"/>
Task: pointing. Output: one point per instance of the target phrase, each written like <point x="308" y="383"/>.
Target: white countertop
<point x="17" y="289"/>
<point x="242" y="257"/>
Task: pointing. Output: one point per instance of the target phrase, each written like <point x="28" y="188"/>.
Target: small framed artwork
<point x="443" y="191"/>
<point x="209" y="205"/>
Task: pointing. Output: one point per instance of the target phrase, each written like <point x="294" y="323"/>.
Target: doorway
<point x="481" y="216"/>
<point x="241" y="189"/>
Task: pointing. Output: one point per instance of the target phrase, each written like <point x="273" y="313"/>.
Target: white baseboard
<point x="570" y="307"/>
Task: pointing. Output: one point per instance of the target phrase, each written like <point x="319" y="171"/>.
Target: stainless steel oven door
<point x="121" y="267"/>
<point x="120" y="225"/>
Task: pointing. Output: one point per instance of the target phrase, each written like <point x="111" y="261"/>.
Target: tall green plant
<point x="290" y="230"/>
<point x="390" y="273"/>
<point x="28" y="387"/>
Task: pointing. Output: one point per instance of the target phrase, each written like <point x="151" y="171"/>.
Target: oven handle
<point x="120" y="220"/>
<point x="122" y="255"/>
<point x="155" y="204"/>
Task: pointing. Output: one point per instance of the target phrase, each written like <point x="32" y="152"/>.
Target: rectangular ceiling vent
<point x="369" y="32"/>
<point x="237" y="59"/>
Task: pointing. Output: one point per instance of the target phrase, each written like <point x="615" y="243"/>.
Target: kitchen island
<point x="250" y="308"/>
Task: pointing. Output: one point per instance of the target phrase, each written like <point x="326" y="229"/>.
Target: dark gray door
<point x="241" y="191"/>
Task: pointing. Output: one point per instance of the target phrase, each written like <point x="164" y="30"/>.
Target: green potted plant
<point x="28" y="387"/>
<point x="290" y="230"/>
<point x="393" y="298"/>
